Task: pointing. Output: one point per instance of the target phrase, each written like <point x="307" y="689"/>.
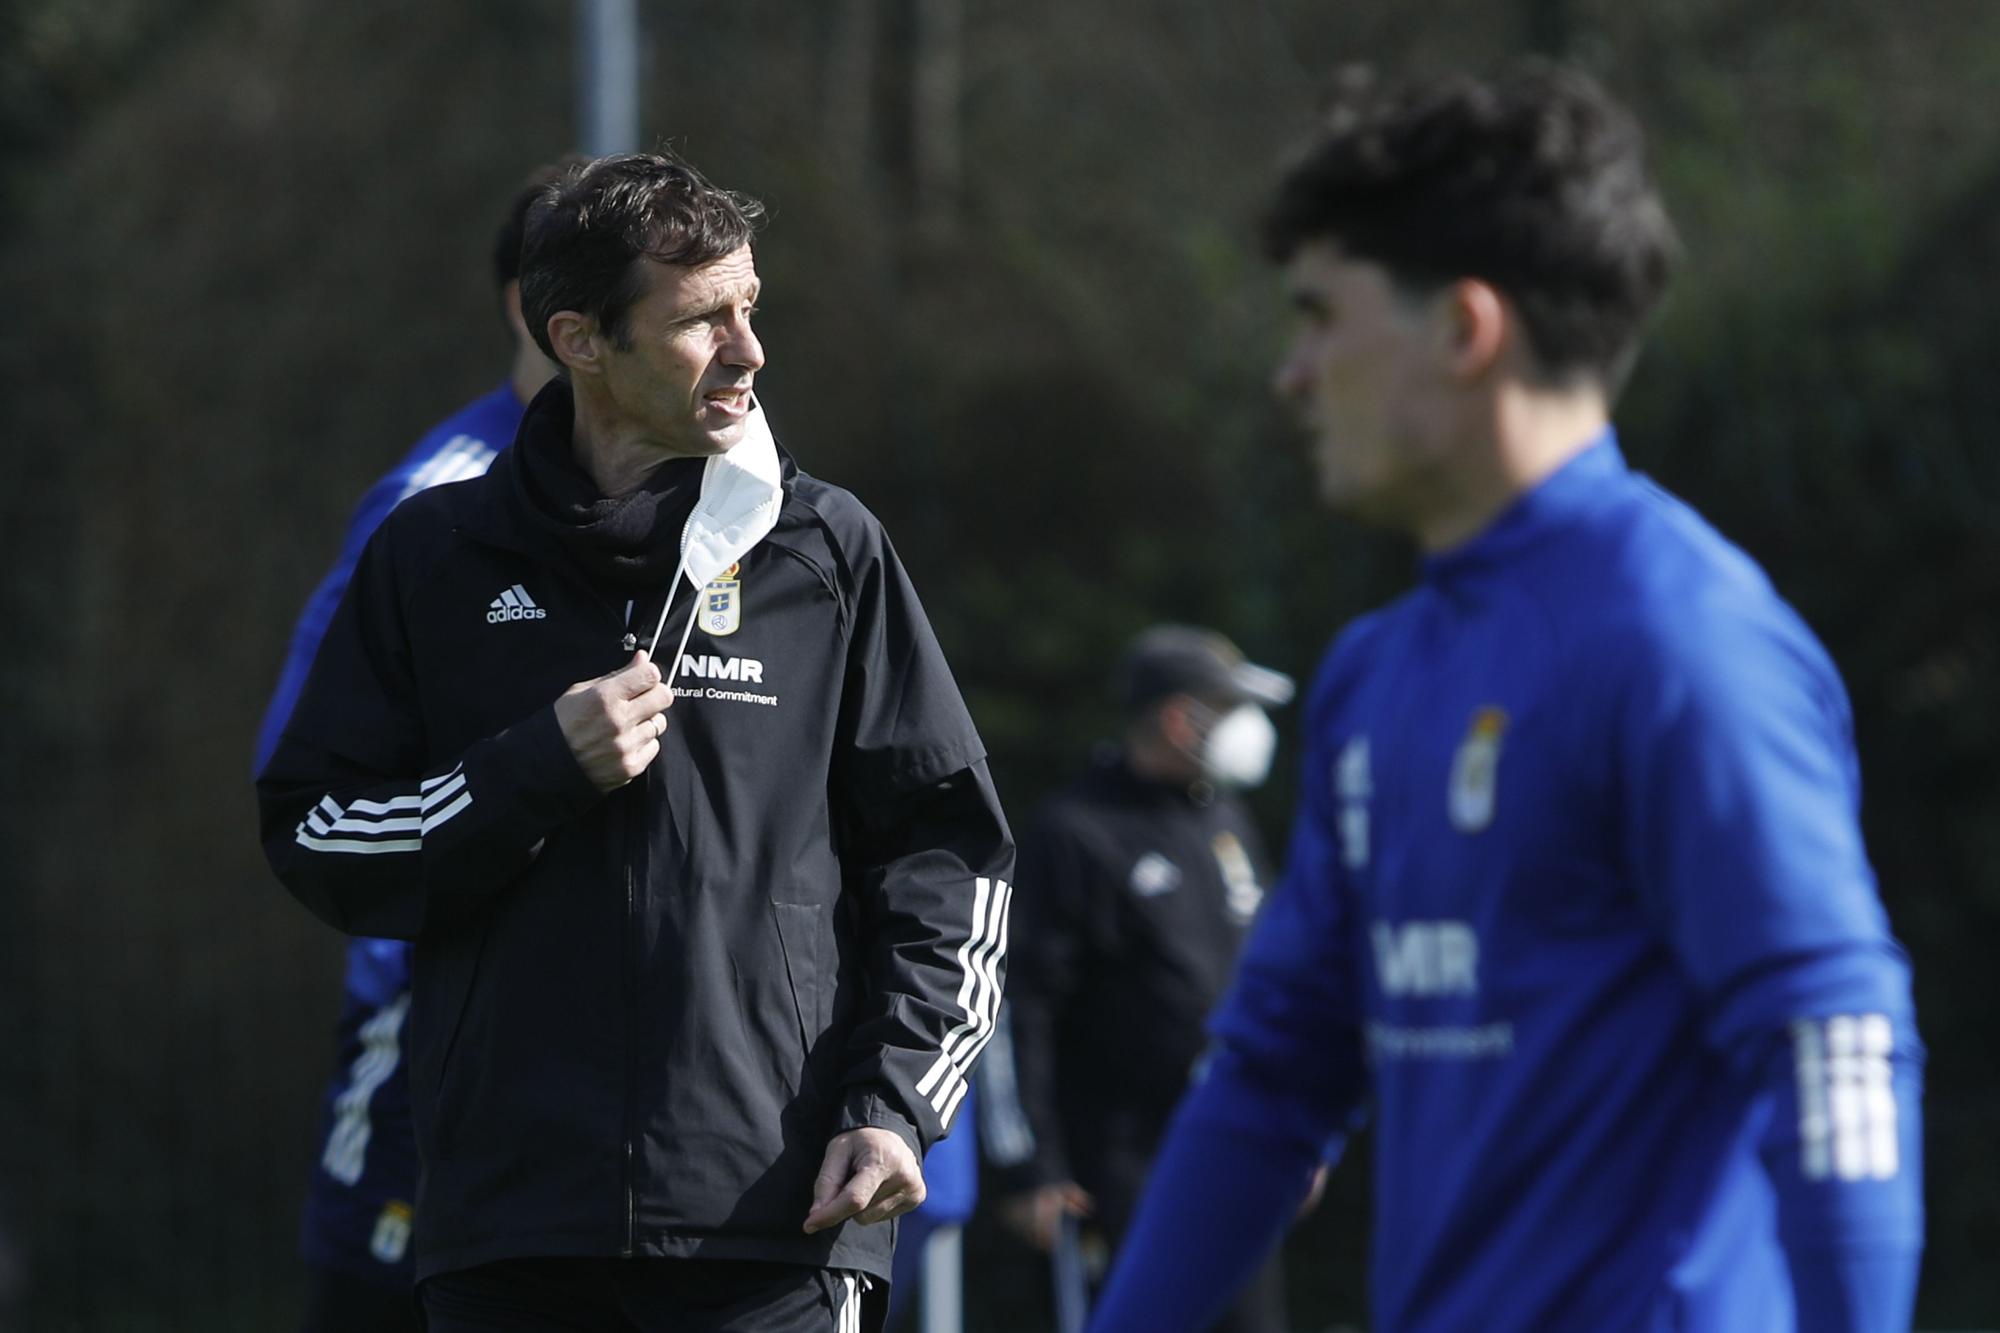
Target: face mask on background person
<point x="1236" y="750"/>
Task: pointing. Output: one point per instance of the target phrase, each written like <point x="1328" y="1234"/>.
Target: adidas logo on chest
<point x="514" y="604"/>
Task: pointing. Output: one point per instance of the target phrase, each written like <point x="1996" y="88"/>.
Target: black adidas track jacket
<point x="638" y="1018"/>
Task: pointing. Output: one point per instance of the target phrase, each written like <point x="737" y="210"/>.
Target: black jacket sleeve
<point x="363" y="825"/>
<point x="927" y="850"/>
<point x="1053" y="946"/>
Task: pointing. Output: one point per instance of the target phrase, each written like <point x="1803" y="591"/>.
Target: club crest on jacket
<point x="1475" y="769"/>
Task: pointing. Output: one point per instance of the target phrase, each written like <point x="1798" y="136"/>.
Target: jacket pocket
<point x="448" y="1095"/>
<point x="798" y="926"/>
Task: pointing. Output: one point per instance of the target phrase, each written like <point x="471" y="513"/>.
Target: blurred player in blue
<point x="1576" y="901"/>
<point x="360" y="1199"/>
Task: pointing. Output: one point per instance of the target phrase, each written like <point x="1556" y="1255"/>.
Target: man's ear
<point x="573" y="336"/>
<point x="1480" y="322"/>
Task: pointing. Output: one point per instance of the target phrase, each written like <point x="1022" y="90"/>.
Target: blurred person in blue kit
<point x="951" y="1195"/>
<point x="1139" y="881"/>
<point x="1577" y="899"/>
<point x="363" y="1188"/>
<point x="690" y="996"/>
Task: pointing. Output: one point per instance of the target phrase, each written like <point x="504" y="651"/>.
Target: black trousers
<point x="652" y="1296"/>
<point x="341" y="1302"/>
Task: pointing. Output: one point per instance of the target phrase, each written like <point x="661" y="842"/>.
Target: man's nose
<point x="743" y="350"/>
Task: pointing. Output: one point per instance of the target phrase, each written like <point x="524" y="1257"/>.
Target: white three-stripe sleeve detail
<point x="365" y="827"/>
<point x="1815" y="1133"/>
<point x="1847" y="1102"/>
<point x="973" y="994"/>
<point x="346" y="1149"/>
<point x="965" y="1043"/>
<point x="986" y="967"/>
<point x="390" y="806"/>
<point x="434" y="797"/>
<point x="358" y="845"/>
<point x="966" y="981"/>
<point x="437" y="817"/>
<point x="962" y="1063"/>
<point x="1879" y="1096"/>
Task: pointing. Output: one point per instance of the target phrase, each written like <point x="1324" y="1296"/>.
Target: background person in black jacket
<point x="1140" y="880"/>
<point x="694" y="993"/>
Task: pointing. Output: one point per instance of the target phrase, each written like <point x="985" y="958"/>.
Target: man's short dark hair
<point x="1535" y="182"/>
<point x="588" y="232"/>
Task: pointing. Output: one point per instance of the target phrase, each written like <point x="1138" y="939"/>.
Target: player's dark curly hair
<point x="1535" y="182"/>
<point x="507" y="241"/>
<point x="588" y="231"/>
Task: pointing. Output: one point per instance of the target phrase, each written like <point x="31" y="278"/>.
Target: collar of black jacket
<point x="538" y="498"/>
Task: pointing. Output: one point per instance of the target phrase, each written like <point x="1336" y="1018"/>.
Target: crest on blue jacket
<point x="1475" y="770"/>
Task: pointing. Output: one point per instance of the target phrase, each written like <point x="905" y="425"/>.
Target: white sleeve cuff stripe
<point x="945" y="1081"/>
<point x="1847" y="1102"/>
<point x="437" y="796"/>
<point x="972" y="940"/>
<point x="356" y="845"/>
<point x="986" y="965"/>
<point x="442" y="778"/>
<point x="432" y="820"/>
<point x="372" y="827"/>
<point x="366" y="827"/>
<point x="387" y="807"/>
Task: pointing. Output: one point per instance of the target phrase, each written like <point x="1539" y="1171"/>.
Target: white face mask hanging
<point x="1237" y="750"/>
<point x="741" y="494"/>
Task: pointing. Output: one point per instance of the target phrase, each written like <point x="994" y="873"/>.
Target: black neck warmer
<point x="632" y="541"/>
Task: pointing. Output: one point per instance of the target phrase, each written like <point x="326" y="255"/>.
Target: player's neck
<point x="617" y="455"/>
<point x="1526" y="434"/>
<point x="530" y="371"/>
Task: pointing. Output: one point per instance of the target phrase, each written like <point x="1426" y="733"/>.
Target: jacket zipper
<point x="631" y="1245"/>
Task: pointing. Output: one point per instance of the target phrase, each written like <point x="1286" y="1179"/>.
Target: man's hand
<point x="868" y="1174"/>
<point x="1032" y="1214"/>
<point x="613" y="724"/>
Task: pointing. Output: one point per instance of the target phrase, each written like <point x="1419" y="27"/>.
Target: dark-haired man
<point x="689" y="1000"/>
<point x="1576" y="894"/>
<point x="363" y="1186"/>
<point x="1141" y="878"/>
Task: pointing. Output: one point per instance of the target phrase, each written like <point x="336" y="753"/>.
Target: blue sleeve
<point x="1741" y="799"/>
<point x="318" y="614"/>
<point x="1283" y="1083"/>
<point x="377" y="970"/>
<point x="1218" y="1199"/>
<point x="1292" y="1017"/>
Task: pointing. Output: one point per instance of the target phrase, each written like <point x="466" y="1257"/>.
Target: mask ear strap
<point x="653" y="648"/>
<point x="693" y="611"/>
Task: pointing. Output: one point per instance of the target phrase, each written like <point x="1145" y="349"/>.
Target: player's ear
<point x="1478" y="319"/>
<point x="573" y="336"/>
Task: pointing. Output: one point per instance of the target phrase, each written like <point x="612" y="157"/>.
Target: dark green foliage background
<point x="242" y="265"/>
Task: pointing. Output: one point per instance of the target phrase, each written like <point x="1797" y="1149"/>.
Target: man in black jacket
<point x="1143" y="876"/>
<point x="694" y="989"/>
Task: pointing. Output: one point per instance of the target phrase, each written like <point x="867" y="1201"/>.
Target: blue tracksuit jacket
<point x="1577" y="898"/>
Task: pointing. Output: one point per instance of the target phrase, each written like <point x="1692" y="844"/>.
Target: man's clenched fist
<point x="613" y="724"/>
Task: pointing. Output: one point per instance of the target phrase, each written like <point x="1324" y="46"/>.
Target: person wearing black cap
<point x="1138" y="882"/>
